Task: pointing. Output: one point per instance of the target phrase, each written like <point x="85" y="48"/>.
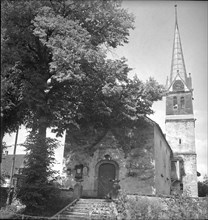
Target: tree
<point x="36" y="188"/>
<point x="56" y="51"/>
<point x="58" y="42"/>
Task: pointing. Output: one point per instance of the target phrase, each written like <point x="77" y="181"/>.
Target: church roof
<point x="178" y="65"/>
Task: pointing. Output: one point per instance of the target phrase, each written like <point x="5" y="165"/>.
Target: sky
<point x="149" y="53"/>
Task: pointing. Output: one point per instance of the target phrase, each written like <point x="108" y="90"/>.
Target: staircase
<point x="83" y="209"/>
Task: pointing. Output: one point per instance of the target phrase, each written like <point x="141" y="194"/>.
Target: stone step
<point x="73" y="217"/>
<point x="93" y="201"/>
<point x="89" y="202"/>
<point x="81" y="215"/>
<point x="91" y="205"/>
<point x="84" y="211"/>
<point x="88" y="209"/>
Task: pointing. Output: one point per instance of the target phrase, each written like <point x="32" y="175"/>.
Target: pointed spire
<point x="178" y="64"/>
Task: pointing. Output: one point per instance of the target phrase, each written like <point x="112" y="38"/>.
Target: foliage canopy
<point x="54" y="56"/>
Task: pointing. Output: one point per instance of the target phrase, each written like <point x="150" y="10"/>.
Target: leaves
<point x="63" y="43"/>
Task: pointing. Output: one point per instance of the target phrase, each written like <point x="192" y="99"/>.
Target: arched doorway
<point x="107" y="171"/>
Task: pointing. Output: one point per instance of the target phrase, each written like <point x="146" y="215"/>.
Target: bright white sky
<point x="149" y="54"/>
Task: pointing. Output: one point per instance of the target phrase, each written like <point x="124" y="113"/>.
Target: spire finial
<point x="176" y="14"/>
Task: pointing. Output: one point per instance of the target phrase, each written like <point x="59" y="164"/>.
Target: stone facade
<point x="139" y="154"/>
<point x="184" y="103"/>
<point x="180" y="122"/>
<point x="180" y="135"/>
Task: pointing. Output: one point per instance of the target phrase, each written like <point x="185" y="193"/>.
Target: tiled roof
<point x="7" y="163"/>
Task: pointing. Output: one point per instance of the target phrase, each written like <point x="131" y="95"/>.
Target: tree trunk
<point x="1" y="145"/>
<point x="42" y="139"/>
<point x="42" y="127"/>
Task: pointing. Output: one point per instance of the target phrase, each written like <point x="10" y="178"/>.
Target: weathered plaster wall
<point x="162" y="163"/>
<point x="184" y="130"/>
<point x="190" y="186"/>
<point x="131" y="148"/>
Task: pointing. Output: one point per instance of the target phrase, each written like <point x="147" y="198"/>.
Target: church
<point x="139" y="156"/>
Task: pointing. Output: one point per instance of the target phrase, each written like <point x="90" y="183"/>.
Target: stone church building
<point x="139" y="156"/>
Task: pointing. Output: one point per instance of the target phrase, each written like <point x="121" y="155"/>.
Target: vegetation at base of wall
<point x="137" y="209"/>
<point x="182" y="207"/>
<point x="203" y="187"/>
<point x="175" y="207"/>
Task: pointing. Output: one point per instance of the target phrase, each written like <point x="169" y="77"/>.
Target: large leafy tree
<point x="54" y="60"/>
<point x="59" y="42"/>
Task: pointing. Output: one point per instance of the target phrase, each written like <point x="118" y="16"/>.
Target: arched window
<point x="182" y="102"/>
<point x="175" y="103"/>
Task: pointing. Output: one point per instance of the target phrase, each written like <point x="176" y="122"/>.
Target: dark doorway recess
<point x="106" y="175"/>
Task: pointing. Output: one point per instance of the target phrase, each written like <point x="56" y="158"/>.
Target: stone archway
<point x="106" y="171"/>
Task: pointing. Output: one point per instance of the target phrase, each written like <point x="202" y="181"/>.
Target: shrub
<point x="182" y="207"/>
<point x="174" y="207"/>
<point x="202" y="189"/>
<point x="137" y="208"/>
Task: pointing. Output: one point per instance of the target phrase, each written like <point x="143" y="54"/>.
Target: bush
<point x="137" y="208"/>
<point x="202" y="189"/>
<point x="182" y="207"/>
<point x="174" y="207"/>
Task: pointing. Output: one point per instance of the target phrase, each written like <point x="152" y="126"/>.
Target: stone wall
<point x="140" y="153"/>
<point x="184" y="130"/>
<point x="181" y="137"/>
<point x="163" y="156"/>
<point x="131" y="148"/>
<point x="190" y="186"/>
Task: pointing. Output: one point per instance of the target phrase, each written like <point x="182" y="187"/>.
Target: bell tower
<point x="180" y="121"/>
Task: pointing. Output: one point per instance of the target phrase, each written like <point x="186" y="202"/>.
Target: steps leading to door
<point x="89" y="209"/>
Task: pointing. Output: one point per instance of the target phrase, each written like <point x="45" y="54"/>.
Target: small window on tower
<point x="179" y="141"/>
<point x="175" y="103"/>
<point x="182" y="102"/>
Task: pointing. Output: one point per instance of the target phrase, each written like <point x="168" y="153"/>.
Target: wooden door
<point x="106" y="173"/>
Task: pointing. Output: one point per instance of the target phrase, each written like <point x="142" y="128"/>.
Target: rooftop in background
<point x="7" y="163"/>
